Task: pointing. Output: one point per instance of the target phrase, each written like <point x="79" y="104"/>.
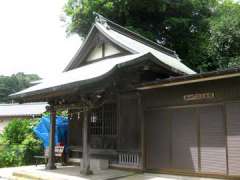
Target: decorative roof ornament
<point x="100" y="19"/>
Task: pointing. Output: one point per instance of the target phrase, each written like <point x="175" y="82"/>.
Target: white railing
<point x="128" y="160"/>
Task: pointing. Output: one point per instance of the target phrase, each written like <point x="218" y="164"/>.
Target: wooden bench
<point x="59" y="153"/>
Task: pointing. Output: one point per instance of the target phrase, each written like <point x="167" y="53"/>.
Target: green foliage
<point x="17" y="131"/>
<point x="19" y="144"/>
<point x="14" y="83"/>
<point x="11" y="155"/>
<point x="225" y="35"/>
<point x="205" y="33"/>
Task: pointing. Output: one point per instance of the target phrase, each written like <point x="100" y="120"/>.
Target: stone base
<point x="51" y="166"/>
<point x="99" y="164"/>
<point x="86" y="171"/>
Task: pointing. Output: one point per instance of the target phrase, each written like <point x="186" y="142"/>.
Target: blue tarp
<point x="43" y="128"/>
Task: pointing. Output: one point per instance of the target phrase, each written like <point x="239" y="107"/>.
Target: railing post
<point x="51" y="148"/>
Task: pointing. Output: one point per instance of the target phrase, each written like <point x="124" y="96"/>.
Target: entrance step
<point x="68" y="172"/>
<point x="27" y="175"/>
<point x="74" y="161"/>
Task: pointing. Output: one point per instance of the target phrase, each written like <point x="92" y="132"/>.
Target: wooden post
<point x="51" y="148"/>
<point x="142" y="127"/>
<point x="85" y="163"/>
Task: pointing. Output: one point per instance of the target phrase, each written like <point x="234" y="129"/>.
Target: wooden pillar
<point x="51" y="148"/>
<point x="142" y="131"/>
<point x="85" y="163"/>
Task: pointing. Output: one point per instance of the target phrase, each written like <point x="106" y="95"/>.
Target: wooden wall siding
<point x="184" y="140"/>
<point x="203" y="139"/>
<point x="233" y="138"/>
<point x="158" y="140"/>
<point x="218" y="120"/>
<point x="173" y="96"/>
<point x="212" y="140"/>
<point x="129" y="124"/>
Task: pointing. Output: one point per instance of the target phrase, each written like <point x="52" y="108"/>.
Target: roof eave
<point x="78" y="84"/>
<point x="189" y="79"/>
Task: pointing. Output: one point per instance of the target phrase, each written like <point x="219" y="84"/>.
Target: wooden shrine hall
<point x="132" y="102"/>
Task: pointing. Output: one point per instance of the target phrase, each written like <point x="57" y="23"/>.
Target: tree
<point x="181" y="25"/>
<point x="224" y="41"/>
<point x="15" y="83"/>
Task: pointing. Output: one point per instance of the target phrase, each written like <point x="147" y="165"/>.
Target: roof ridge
<point x="101" y="19"/>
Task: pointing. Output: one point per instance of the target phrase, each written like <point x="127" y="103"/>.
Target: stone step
<point x="75" y="161"/>
<point x="25" y="175"/>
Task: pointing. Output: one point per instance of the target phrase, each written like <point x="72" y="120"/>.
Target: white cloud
<point x="33" y="39"/>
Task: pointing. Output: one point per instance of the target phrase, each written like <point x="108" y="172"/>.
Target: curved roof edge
<point x="87" y="74"/>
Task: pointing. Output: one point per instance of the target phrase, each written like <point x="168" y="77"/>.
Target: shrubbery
<point x="18" y="143"/>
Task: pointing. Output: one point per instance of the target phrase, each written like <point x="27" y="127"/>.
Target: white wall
<point x="3" y="123"/>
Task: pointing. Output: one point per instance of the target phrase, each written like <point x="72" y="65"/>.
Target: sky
<point x="33" y="38"/>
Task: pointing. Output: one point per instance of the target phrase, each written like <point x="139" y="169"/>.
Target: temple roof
<point x="138" y="48"/>
<point x="84" y="75"/>
<point x="134" y="45"/>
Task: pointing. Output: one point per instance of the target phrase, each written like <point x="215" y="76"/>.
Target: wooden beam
<point x="85" y="163"/>
<point x="51" y="148"/>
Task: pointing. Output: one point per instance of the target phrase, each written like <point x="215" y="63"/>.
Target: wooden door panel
<point x="212" y="140"/>
<point x="184" y="140"/>
<point x="157" y="139"/>
<point x="233" y="138"/>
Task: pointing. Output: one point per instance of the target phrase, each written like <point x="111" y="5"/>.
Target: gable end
<point x="96" y="47"/>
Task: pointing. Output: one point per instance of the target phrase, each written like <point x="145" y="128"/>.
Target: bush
<point x="19" y="144"/>
<point x="11" y="155"/>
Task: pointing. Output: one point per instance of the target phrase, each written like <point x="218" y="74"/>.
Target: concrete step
<point x="26" y="176"/>
<point x="42" y="176"/>
<point x="74" y="161"/>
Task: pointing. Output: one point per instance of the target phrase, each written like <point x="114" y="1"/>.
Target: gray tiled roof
<point x="81" y="74"/>
<point x="139" y="47"/>
<point x="28" y="109"/>
<point x="89" y="73"/>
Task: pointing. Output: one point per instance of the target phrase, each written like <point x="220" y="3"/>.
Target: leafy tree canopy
<point x="190" y="27"/>
<point x="224" y="42"/>
<point x="15" y="83"/>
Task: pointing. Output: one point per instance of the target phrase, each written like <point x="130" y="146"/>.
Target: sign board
<point x="199" y="96"/>
<point x="58" y="151"/>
